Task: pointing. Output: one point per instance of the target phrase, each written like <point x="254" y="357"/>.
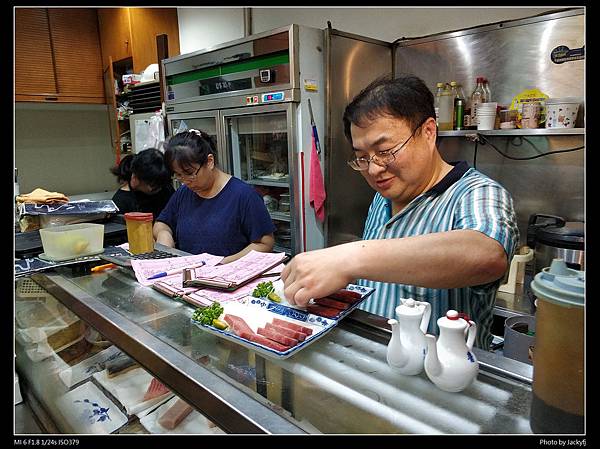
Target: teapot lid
<point x="451" y="320"/>
<point x="560" y="284"/>
<point x="409" y="307"/>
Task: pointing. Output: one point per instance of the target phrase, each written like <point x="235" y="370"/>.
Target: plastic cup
<point x="486" y="121"/>
<point x="139" y="232"/>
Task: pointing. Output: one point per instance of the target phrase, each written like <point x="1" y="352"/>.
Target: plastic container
<point x="561" y="112"/>
<point x="558" y="398"/>
<point x="139" y="232"/>
<point x="519" y="336"/>
<point x="72" y="241"/>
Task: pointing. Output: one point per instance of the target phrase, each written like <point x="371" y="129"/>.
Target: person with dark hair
<point x="145" y="180"/>
<point x="212" y="212"/>
<point x="435" y="231"/>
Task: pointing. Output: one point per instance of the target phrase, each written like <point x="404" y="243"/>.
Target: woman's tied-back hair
<point x="405" y="97"/>
<point x="149" y="167"/>
<point x="123" y="170"/>
<point x="189" y="147"/>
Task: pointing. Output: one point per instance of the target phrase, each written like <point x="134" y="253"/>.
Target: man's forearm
<point x="442" y="260"/>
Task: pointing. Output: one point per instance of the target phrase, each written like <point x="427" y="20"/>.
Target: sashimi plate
<point x="256" y="312"/>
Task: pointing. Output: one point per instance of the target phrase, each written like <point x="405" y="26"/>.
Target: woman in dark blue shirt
<point x="212" y="212"/>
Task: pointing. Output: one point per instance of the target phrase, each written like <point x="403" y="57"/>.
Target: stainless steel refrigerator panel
<point x="512" y="57"/>
<point x="352" y="63"/>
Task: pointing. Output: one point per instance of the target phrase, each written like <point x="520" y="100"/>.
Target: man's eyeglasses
<point x="383" y="158"/>
<point x="187" y="177"/>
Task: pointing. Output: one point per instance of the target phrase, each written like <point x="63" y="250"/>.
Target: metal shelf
<point x="514" y="132"/>
<point x="281" y="216"/>
<point x="260" y="182"/>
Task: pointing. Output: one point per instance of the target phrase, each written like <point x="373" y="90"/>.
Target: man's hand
<point x="316" y="274"/>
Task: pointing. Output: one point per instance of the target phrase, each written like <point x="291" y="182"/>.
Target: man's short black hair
<point x="404" y="97"/>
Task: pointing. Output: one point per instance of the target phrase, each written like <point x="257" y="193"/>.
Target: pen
<point x="162" y="274"/>
<point x="102" y="267"/>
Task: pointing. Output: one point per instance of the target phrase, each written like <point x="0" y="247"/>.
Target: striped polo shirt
<point x="463" y="199"/>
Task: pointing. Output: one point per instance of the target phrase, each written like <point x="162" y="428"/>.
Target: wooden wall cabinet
<point x="57" y="55"/>
<point x="128" y="41"/>
<point x="131" y="33"/>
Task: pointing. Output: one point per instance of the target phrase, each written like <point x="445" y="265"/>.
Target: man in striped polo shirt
<point x="435" y="231"/>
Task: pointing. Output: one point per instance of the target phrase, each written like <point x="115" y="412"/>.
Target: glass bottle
<point x="438" y="93"/>
<point x="477" y="97"/>
<point x="488" y="92"/>
<point x="446" y="109"/>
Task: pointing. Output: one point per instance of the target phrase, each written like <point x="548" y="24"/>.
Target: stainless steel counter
<point x="339" y="384"/>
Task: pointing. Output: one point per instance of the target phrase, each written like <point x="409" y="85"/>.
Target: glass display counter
<point x="340" y="384"/>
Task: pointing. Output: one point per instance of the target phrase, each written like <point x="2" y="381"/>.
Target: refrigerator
<point x="251" y="96"/>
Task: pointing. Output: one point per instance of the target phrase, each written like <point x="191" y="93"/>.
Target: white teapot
<point x="407" y="347"/>
<point x="450" y="363"/>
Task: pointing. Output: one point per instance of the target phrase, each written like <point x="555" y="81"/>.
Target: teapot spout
<point x="396" y="355"/>
<point x="433" y="367"/>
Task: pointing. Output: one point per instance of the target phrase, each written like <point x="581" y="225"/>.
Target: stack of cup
<point x="486" y="115"/>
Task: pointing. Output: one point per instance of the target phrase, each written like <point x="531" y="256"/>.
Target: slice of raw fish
<point x="120" y="365"/>
<point x="238" y="325"/>
<point x="264" y="341"/>
<point x="346" y="296"/>
<point x="328" y="302"/>
<point x="327" y="312"/>
<point x="276" y="336"/>
<point x="300" y="336"/>
<point x="294" y="326"/>
<point x="155" y="389"/>
<point x="175" y="414"/>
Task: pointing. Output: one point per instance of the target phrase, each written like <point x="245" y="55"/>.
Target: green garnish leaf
<point x="206" y="315"/>
<point x="263" y="289"/>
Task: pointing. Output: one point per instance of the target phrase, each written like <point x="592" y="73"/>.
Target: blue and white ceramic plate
<point x="256" y="312"/>
<point x="87" y="410"/>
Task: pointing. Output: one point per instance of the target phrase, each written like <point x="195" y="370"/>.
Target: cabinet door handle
<point x="51" y="98"/>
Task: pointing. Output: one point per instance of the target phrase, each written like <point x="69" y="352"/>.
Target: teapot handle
<point x="426" y="316"/>
<point x="472" y="333"/>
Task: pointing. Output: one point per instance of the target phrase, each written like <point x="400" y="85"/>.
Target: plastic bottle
<point x="438" y="93"/>
<point x="488" y="92"/>
<point x="478" y="96"/>
<point x="446" y="109"/>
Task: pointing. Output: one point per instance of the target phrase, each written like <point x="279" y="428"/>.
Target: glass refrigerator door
<point x="259" y="141"/>
<point x="203" y="121"/>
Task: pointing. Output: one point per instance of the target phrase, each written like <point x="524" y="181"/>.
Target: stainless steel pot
<point x="554" y="238"/>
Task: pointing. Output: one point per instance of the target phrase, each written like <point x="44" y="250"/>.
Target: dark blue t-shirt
<point x="222" y="225"/>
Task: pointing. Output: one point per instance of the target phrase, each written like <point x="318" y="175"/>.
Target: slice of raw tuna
<point x="327" y="312"/>
<point x="175" y="414"/>
<point x="293" y="326"/>
<point x="300" y="336"/>
<point x="264" y="341"/>
<point x="276" y="336"/>
<point x="238" y="325"/>
<point x="346" y="296"/>
<point x="155" y="389"/>
<point x="328" y="302"/>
